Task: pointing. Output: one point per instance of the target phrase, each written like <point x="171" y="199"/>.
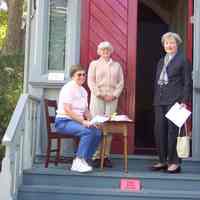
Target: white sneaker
<point x="85" y="163"/>
<point x="79" y="165"/>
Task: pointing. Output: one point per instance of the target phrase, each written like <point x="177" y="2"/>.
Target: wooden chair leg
<point x="103" y="150"/>
<point x="48" y="153"/>
<point x="125" y="154"/>
<point x="58" y="152"/>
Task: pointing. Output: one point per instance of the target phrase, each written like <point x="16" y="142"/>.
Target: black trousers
<point x="166" y="135"/>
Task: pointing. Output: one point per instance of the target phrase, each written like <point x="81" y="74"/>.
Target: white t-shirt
<point x="75" y="95"/>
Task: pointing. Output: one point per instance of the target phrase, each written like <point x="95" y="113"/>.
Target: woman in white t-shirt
<point x="73" y="117"/>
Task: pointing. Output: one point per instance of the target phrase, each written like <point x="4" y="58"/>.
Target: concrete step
<point x="111" y="179"/>
<point x="41" y="192"/>
<point x="59" y="183"/>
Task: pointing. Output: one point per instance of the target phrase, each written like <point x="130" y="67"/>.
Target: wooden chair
<point x="50" y="113"/>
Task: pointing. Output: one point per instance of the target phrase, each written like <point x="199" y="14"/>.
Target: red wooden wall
<point x="190" y="31"/>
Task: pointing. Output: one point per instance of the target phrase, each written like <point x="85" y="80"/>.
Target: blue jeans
<point x="89" y="137"/>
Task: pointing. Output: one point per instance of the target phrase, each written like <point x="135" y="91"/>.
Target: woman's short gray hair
<point x="104" y="45"/>
<point x="171" y="35"/>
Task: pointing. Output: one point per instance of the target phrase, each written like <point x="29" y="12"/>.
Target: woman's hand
<point x="74" y="116"/>
<point x="183" y="105"/>
<point x="86" y="123"/>
<point x="109" y="98"/>
<point x="101" y="97"/>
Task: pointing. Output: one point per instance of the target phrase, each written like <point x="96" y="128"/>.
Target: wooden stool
<point x="115" y="127"/>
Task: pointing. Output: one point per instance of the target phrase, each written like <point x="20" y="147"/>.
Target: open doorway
<point x="149" y="50"/>
<point x="152" y="24"/>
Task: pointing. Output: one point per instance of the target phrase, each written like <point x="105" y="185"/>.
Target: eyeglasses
<point x="81" y="74"/>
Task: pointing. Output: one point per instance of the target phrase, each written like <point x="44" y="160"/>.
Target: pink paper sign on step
<point x="133" y="185"/>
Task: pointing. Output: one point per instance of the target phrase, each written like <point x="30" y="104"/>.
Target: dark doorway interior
<point x="149" y="49"/>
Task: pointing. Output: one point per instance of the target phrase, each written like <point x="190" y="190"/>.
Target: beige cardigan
<point x="105" y="78"/>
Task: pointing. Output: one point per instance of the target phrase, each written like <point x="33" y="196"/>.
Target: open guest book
<point x="120" y="118"/>
<point x="98" y="119"/>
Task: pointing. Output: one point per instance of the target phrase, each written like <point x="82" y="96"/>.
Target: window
<point x="57" y="35"/>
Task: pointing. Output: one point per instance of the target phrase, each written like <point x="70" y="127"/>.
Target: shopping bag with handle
<point x="183" y="144"/>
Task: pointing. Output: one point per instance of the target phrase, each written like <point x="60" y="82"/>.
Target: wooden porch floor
<point x="136" y="165"/>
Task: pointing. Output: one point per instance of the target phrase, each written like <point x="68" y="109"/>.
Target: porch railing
<point x="20" y="141"/>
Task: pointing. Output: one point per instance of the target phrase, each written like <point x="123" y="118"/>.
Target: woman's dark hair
<point x="75" y="68"/>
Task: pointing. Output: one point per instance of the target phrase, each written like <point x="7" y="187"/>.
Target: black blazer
<point x="179" y="87"/>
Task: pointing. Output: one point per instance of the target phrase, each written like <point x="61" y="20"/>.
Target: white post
<point x="196" y="84"/>
<point x="27" y="47"/>
<point x="6" y="176"/>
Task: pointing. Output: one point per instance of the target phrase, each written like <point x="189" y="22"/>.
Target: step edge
<point x="144" y="175"/>
<point x="112" y="192"/>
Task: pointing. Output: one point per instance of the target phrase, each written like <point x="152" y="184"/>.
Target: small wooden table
<point x="115" y="127"/>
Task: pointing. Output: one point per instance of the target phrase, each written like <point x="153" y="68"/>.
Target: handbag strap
<point x="179" y="130"/>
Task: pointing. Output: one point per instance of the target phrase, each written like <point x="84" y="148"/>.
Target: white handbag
<point x="183" y="144"/>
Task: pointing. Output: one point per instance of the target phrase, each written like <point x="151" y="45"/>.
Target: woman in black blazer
<point x="173" y="84"/>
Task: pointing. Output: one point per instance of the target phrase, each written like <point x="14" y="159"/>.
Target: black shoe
<point x="175" y="171"/>
<point x="90" y="162"/>
<point x="159" y="168"/>
<point x="97" y="163"/>
<point x="107" y="163"/>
